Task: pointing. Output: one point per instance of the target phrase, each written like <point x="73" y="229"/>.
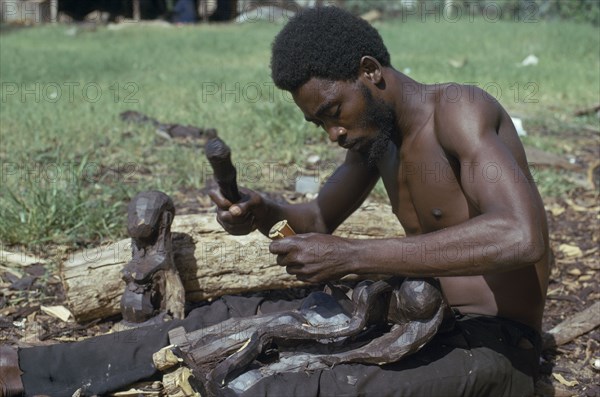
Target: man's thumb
<point x="235" y="210"/>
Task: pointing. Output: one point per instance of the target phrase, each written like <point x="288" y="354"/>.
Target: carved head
<point x="145" y="215"/>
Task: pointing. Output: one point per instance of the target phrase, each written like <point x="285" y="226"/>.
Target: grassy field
<point x="69" y="165"/>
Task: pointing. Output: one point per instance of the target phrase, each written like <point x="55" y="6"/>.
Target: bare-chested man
<point x="457" y="178"/>
<point x="450" y="159"/>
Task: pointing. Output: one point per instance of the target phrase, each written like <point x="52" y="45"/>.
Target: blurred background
<point x="40" y="11"/>
<point x="72" y="158"/>
<point x="100" y="100"/>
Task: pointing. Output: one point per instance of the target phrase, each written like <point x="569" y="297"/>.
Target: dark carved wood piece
<point x="219" y="156"/>
<point x="390" y="319"/>
<point x="153" y="285"/>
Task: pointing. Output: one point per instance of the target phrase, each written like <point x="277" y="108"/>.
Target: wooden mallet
<point x="219" y="156"/>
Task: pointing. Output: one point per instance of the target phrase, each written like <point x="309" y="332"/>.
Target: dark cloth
<point x="481" y="356"/>
<point x="115" y="361"/>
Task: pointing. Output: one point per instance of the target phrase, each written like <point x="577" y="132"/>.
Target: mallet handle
<point x="219" y="156"/>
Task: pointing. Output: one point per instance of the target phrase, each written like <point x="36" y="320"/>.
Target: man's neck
<point x="407" y="99"/>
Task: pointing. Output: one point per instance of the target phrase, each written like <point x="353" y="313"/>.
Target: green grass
<point x="208" y="76"/>
<point x="567" y="76"/>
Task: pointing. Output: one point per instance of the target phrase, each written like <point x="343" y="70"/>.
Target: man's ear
<point x="370" y="69"/>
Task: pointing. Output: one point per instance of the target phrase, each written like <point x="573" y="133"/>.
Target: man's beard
<point x="381" y="116"/>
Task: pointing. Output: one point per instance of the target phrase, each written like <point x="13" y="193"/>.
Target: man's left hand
<point x="314" y="257"/>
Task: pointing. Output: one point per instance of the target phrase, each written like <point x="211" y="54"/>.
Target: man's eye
<point x="337" y="112"/>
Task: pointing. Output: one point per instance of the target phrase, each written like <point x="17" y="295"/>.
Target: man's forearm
<point x="303" y="218"/>
<point x="483" y="245"/>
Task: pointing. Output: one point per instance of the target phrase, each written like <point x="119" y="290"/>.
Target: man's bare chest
<point x="424" y="189"/>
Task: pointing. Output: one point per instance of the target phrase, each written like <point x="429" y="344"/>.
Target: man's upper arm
<point x="491" y="178"/>
<point x="345" y="190"/>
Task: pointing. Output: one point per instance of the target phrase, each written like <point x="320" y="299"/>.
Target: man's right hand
<point x="242" y="217"/>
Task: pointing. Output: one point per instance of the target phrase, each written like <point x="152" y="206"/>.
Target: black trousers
<point x="481" y="356"/>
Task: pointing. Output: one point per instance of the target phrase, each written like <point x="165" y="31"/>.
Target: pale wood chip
<point x="59" y="312"/>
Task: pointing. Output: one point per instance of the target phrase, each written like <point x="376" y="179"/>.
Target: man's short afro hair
<point x="323" y="42"/>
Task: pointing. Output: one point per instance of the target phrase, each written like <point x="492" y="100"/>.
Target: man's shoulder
<point x="464" y="111"/>
<point x="454" y="98"/>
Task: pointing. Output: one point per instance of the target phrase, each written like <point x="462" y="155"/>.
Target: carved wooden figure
<point x="154" y="291"/>
<point x="387" y="321"/>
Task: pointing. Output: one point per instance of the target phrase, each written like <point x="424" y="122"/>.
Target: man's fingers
<point x="282" y="246"/>
<point x="236" y="210"/>
<point x="293" y="269"/>
<point x="227" y="218"/>
<point x="241" y="208"/>
<point x="220" y="200"/>
<point x="237" y="229"/>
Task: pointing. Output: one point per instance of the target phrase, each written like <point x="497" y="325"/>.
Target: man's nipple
<point x="437" y="213"/>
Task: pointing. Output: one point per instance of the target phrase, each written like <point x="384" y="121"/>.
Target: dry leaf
<point x="146" y="389"/>
<point x="184" y="382"/>
<point x="565" y="382"/>
<point x="555" y="291"/>
<point x="570" y="251"/>
<point x="59" y="312"/>
<point x="14" y="272"/>
<point x="556" y="210"/>
<point x="576" y="207"/>
<point x="591" y="251"/>
<point x="176" y="383"/>
<point x="165" y="358"/>
<point x="574" y="272"/>
<point x="570" y="285"/>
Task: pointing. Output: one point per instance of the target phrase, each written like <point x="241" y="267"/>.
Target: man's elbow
<point x="531" y="245"/>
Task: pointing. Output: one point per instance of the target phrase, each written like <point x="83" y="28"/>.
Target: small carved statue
<point x="154" y="291"/>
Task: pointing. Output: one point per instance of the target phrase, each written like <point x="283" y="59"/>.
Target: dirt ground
<point x="567" y="370"/>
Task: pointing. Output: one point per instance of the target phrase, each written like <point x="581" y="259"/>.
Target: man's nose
<point x="335" y="132"/>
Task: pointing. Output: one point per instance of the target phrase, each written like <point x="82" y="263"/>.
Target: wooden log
<point x="19" y="259"/>
<point x="573" y="326"/>
<point x="211" y="262"/>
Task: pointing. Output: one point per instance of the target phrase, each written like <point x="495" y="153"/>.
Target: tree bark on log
<point x="211" y="263"/>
